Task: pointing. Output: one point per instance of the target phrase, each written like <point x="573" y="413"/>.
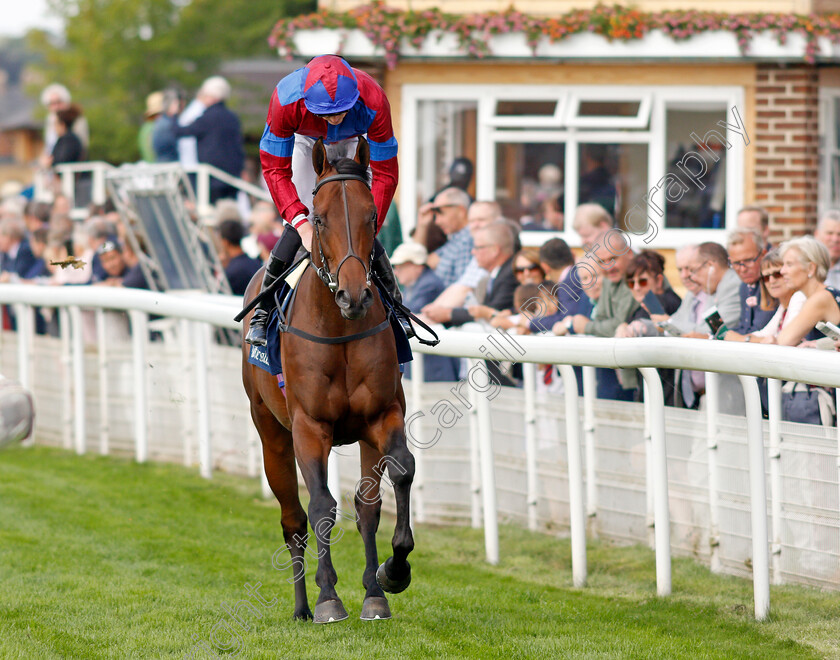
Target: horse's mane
<point x="350" y="166"/>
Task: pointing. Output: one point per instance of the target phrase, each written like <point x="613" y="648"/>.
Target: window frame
<point x="490" y="131"/>
<point x="828" y="148"/>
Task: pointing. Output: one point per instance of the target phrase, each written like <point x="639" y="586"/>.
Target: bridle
<point x="328" y="278"/>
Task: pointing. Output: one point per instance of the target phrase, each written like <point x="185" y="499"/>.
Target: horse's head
<point x="344" y="219"/>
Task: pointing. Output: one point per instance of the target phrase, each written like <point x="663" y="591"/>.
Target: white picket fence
<point x="690" y="482"/>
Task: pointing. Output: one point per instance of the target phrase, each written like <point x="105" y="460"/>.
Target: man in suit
<point x="710" y="270"/>
<point x="746" y="250"/>
<point x="421" y="286"/>
<point x="16" y="258"/>
<point x="493" y="251"/>
<point x="218" y="134"/>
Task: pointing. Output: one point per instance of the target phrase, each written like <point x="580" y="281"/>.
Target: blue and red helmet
<point x="329" y="86"/>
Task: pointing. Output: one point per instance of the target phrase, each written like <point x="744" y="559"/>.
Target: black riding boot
<point x="256" y="330"/>
<point x="384" y="271"/>
<point x="282" y="256"/>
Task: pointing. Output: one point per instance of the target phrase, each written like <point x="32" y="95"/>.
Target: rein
<point x="331" y="279"/>
<point x="328" y="278"/>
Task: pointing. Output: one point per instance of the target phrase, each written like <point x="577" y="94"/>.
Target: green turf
<point x="103" y="558"/>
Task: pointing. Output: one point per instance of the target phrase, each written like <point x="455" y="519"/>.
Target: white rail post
<point x="590" y="390"/>
<point x="334" y="480"/>
<point x="774" y="408"/>
<point x="67" y="385"/>
<point x="488" y="472"/>
<point x="139" y="337"/>
<point x="650" y="487"/>
<point x="758" y="499"/>
<point x="577" y="508"/>
<point x="418" y="447"/>
<point x="475" y="462"/>
<point x="837" y="428"/>
<point x="662" y="517"/>
<point x="205" y="452"/>
<point x="712" y="430"/>
<point x="79" y="396"/>
<point x="529" y="385"/>
<point x="185" y="336"/>
<point x="104" y="390"/>
<point x="267" y="493"/>
<point x="23" y="322"/>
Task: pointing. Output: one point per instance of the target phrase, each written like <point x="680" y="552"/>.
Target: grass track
<point x="103" y="558"/>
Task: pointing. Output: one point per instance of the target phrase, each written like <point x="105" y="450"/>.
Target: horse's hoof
<point x="303" y="615"/>
<point x="375" y="608"/>
<point x="330" y="611"/>
<point x="388" y="584"/>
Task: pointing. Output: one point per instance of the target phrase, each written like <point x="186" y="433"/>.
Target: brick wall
<point x="786" y="142"/>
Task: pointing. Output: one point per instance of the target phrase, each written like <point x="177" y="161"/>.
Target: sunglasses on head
<point x="772" y="275"/>
<point x="524" y="269"/>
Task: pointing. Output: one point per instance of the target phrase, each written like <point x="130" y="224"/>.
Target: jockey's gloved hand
<point x="304" y="230"/>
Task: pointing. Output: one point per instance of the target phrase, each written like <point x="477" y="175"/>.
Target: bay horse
<point x="343" y="385"/>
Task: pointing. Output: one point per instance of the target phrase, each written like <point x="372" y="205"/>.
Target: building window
<point x="829" y="187"/>
<point x="658" y="156"/>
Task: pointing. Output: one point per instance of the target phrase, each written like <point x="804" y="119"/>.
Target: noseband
<point x="328" y="278"/>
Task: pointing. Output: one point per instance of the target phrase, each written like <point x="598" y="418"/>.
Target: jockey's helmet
<point x="329" y="86"/>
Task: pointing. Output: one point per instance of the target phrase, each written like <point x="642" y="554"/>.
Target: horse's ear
<point x="363" y="152"/>
<point x="319" y="157"/>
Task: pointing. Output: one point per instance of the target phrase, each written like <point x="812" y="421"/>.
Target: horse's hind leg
<point x="368" y="507"/>
<point x="394" y="575"/>
<point x="313" y="442"/>
<point x="279" y="459"/>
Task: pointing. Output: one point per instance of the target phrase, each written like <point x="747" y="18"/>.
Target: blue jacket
<point x="752" y="316"/>
<point x="429" y="286"/>
<point x="218" y="135"/>
<point x="22" y="263"/>
<point x="239" y="272"/>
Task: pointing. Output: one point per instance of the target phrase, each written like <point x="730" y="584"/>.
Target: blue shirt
<point x="454" y="255"/>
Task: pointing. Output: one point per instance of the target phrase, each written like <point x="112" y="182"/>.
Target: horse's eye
<point x="373" y="217"/>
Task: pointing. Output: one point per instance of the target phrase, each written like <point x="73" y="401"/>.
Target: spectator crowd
<point x="465" y="266"/>
<point x="747" y="290"/>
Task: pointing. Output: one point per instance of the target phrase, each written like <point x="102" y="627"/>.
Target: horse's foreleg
<point x="313" y="442"/>
<point x="368" y="507"/>
<point x="395" y="574"/>
<point x="279" y="460"/>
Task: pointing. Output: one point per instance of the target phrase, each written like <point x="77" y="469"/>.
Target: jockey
<point x="327" y="99"/>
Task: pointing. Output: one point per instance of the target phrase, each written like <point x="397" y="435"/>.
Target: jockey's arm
<point x="305" y="232"/>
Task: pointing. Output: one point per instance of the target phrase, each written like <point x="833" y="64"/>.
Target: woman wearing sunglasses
<point x="773" y="288"/>
<point x="647" y="274"/>
<point x="526" y="266"/>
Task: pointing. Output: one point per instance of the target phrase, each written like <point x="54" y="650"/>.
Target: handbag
<point x="807" y="404"/>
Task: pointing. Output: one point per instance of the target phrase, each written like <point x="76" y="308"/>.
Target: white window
<point x="829" y="187"/>
<point x="666" y="162"/>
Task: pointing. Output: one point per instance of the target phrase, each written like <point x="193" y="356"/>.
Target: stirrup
<point x="406" y="325"/>
<point x="257" y="328"/>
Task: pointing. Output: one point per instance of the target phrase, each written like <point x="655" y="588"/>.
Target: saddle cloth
<point x="268" y="357"/>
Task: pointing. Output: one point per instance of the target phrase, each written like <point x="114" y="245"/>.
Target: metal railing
<point x="69" y="173"/>
<point x="194" y="314"/>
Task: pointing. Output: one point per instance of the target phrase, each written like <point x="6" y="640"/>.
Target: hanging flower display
<point x="388" y="28"/>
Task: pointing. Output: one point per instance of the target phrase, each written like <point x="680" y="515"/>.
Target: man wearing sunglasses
<point x="745" y="248"/>
<point x="326" y="99"/>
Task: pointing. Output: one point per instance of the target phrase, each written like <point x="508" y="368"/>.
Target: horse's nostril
<point x="366" y="297"/>
<point x="342" y="298"/>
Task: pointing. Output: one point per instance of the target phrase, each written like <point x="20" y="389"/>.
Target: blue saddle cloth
<point x="268" y="357"/>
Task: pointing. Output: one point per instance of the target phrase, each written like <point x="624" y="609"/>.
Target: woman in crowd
<point x="805" y="263"/>
<point x="647" y="273"/>
<point x="774" y="288"/>
<point x="526" y="266"/>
